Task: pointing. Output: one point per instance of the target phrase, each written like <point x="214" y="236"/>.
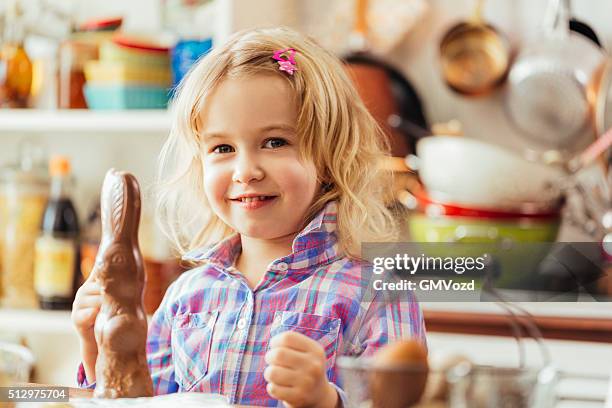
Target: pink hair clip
<point x="286" y="64"/>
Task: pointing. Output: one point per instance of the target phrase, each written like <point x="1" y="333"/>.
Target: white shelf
<point x="43" y="321"/>
<point x="83" y="121"/>
<point x="37" y="321"/>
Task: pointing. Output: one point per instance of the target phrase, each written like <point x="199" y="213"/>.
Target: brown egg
<point x="399" y="374"/>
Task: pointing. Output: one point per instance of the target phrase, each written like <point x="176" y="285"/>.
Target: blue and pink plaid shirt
<point x="211" y="331"/>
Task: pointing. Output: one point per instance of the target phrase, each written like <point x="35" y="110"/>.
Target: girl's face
<point x="253" y="178"/>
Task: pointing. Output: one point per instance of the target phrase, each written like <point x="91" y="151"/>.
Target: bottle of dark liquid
<point x="57" y="263"/>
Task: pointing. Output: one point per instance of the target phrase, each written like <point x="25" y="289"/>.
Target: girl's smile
<point x="254" y="201"/>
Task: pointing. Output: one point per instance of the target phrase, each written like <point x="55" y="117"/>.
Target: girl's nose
<point x="247" y="170"/>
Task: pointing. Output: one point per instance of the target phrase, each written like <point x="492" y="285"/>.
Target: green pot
<point x="424" y="228"/>
<point x="518" y="245"/>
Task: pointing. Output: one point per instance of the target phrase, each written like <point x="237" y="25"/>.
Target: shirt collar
<point x="316" y="244"/>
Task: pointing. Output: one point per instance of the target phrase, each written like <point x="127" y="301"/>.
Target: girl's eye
<point x="275" y="143"/>
<point x="222" y="149"/>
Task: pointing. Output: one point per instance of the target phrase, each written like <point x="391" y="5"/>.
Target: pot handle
<point x="478" y="11"/>
<point x="556" y="22"/>
<point x="407" y="127"/>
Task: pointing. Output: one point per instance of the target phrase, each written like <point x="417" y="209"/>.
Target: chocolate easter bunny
<point x="121" y="325"/>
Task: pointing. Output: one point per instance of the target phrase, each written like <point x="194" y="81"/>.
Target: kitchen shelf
<point x="33" y="320"/>
<point x="37" y="320"/>
<point x="83" y="121"/>
<point x="568" y="321"/>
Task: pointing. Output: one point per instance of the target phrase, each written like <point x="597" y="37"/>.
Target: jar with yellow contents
<point x="23" y="195"/>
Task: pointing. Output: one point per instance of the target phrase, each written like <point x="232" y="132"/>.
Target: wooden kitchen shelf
<point x="590" y="322"/>
<point x="83" y="121"/>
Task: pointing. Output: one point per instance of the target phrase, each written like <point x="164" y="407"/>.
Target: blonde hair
<point x="336" y="132"/>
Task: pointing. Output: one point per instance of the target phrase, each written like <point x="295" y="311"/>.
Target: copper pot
<point x="384" y="89"/>
<point x="474" y="56"/>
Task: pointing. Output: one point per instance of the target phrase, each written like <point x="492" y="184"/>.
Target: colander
<point x="547" y="95"/>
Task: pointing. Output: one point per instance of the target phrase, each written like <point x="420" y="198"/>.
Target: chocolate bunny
<point x="121" y="325"/>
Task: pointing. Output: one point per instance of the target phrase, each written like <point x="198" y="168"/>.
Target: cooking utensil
<point x="481" y="386"/>
<point x="547" y="99"/>
<point x="517" y="247"/>
<point x="383" y="88"/>
<point x="586" y="30"/>
<point x="477" y="174"/>
<point x="590" y="154"/>
<point x="418" y="199"/>
<point x="474" y="56"/>
<point x="600" y="95"/>
<point x="367" y="383"/>
<point x="427" y="228"/>
<point x="601" y="98"/>
<point x="451" y="128"/>
<point x="587" y="189"/>
<point x="575" y="25"/>
<point x="408" y="127"/>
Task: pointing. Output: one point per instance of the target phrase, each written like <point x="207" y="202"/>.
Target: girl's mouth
<point x="253" y="203"/>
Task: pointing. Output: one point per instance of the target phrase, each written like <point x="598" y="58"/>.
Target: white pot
<point x="470" y="172"/>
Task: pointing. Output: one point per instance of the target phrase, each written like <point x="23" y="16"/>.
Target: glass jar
<point x="23" y="196"/>
<point x="73" y="54"/>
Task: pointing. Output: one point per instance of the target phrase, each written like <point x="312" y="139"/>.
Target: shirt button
<point x="282" y="266"/>
<point x="242" y="323"/>
<point x="277" y="321"/>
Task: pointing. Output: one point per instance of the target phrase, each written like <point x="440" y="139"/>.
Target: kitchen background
<point x="96" y="140"/>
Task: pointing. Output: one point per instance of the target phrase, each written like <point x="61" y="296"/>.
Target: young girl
<point x="269" y="183"/>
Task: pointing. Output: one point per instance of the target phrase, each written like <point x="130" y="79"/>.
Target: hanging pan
<point x="384" y="89"/>
<point x="474" y="56"/>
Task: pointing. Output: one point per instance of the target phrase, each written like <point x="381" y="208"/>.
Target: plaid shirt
<point x="211" y="332"/>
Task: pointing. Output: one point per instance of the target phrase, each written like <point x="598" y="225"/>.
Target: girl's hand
<point x="296" y="372"/>
<point x="85" y="309"/>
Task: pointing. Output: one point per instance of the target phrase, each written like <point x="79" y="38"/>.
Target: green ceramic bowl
<point x="425" y="228"/>
<point x="518" y="245"/>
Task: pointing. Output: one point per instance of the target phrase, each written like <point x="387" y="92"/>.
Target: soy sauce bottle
<point x="57" y="262"/>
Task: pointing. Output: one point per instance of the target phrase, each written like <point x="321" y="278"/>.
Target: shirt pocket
<point x="323" y="329"/>
<point x="192" y="335"/>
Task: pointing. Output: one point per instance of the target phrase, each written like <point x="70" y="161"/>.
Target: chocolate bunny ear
<point x="120" y="205"/>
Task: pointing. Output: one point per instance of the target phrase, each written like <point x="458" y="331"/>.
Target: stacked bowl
<point x="477" y="191"/>
<point x="483" y="199"/>
<point x="132" y="73"/>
